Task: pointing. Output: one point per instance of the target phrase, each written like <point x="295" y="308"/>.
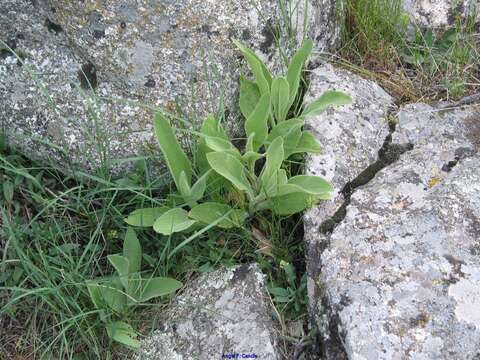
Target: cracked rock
<point x="400" y="275"/>
<point x="351" y="137"/>
<point x="223" y="312"/>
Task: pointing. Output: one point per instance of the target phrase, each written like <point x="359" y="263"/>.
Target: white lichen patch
<point x="466" y="293"/>
<point x="221" y="312"/>
<point x="394" y="267"/>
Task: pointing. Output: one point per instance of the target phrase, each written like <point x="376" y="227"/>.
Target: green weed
<point x="248" y="185"/>
<point x="412" y="62"/>
<point x="59" y="229"/>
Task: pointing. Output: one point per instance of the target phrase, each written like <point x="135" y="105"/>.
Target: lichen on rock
<point x="402" y="265"/>
<point x="223" y="312"/>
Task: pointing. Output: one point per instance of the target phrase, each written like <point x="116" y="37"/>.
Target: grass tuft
<point x="414" y="63"/>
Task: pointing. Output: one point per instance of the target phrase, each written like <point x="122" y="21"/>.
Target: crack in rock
<point x="388" y="154"/>
<point x="401" y="264"/>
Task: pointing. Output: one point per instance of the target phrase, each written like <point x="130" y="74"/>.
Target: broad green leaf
<point x="210" y="212"/>
<point x="158" y="286"/>
<point x="282" y="177"/>
<point x="314" y="185"/>
<point x="291" y="133"/>
<point x="238" y="217"/>
<point x="183" y="185"/>
<point x="230" y="168"/>
<point x="287" y="188"/>
<point x="281" y="299"/>
<point x="257" y="122"/>
<point x="174" y="220"/>
<point x="113" y="296"/>
<point x="328" y="99"/>
<point x="280" y="98"/>
<point x="294" y="71"/>
<point x="95" y="295"/>
<point x="275" y="157"/>
<point x="123" y="333"/>
<point x="308" y="144"/>
<point x="291" y="203"/>
<point x="174" y="156"/>
<point x="198" y="189"/>
<point x="145" y="217"/>
<point x="260" y="72"/>
<point x="279" y="291"/>
<point x="221" y="145"/>
<point x="210" y="127"/>
<point x="249" y="95"/>
<point x="132" y="251"/>
<point x="121" y="264"/>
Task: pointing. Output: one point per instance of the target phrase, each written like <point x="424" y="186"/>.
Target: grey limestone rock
<point x="351" y="137"/>
<point x="160" y="54"/>
<point x="225" y="312"/>
<point x="138" y="56"/>
<point x="399" y="274"/>
<point x="440" y="14"/>
<point x="320" y="20"/>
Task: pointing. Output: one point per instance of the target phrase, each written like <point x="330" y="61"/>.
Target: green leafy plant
<point x="426" y="48"/>
<point x="113" y="296"/>
<point x="449" y="53"/>
<point x="290" y="296"/>
<point x="255" y="178"/>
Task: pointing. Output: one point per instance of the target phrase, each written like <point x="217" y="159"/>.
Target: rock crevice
<point x="388" y="154"/>
<point x="401" y="262"/>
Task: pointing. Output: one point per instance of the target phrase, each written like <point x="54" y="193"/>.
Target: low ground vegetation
<point x="83" y="255"/>
<point x="413" y="63"/>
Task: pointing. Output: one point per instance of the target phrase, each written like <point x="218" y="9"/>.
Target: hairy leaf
<point x="108" y="295"/>
<point x="132" y="251"/>
<point x="145" y="217"/>
<point x="174" y="220"/>
<point x="308" y="143"/>
<point x="314" y="185"/>
<point x="123" y="333"/>
<point x="250" y="157"/>
<point x="260" y="72"/>
<point x="294" y="71"/>
<point x="210" y="212"/>
<point x="291" y="203"/>
<point x="158" y="286"/>
<point x="249" y="95"/>
<point x="328" y="99"/>
<point x="121" y="264"/>
<point x="184" y="185"/>
<point x="257" y="122"/>
<point x="198" y="189"/>
<point x="230" y="168"/>
<point x="275" y="157"/>
<point x="212" y="127"/>
<point x="280" y="98"/>
<point x="174" y="156"/>
<point x="95" y="295"/>
<point x="221" y="145"/>
<point x="291" y="133"/>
